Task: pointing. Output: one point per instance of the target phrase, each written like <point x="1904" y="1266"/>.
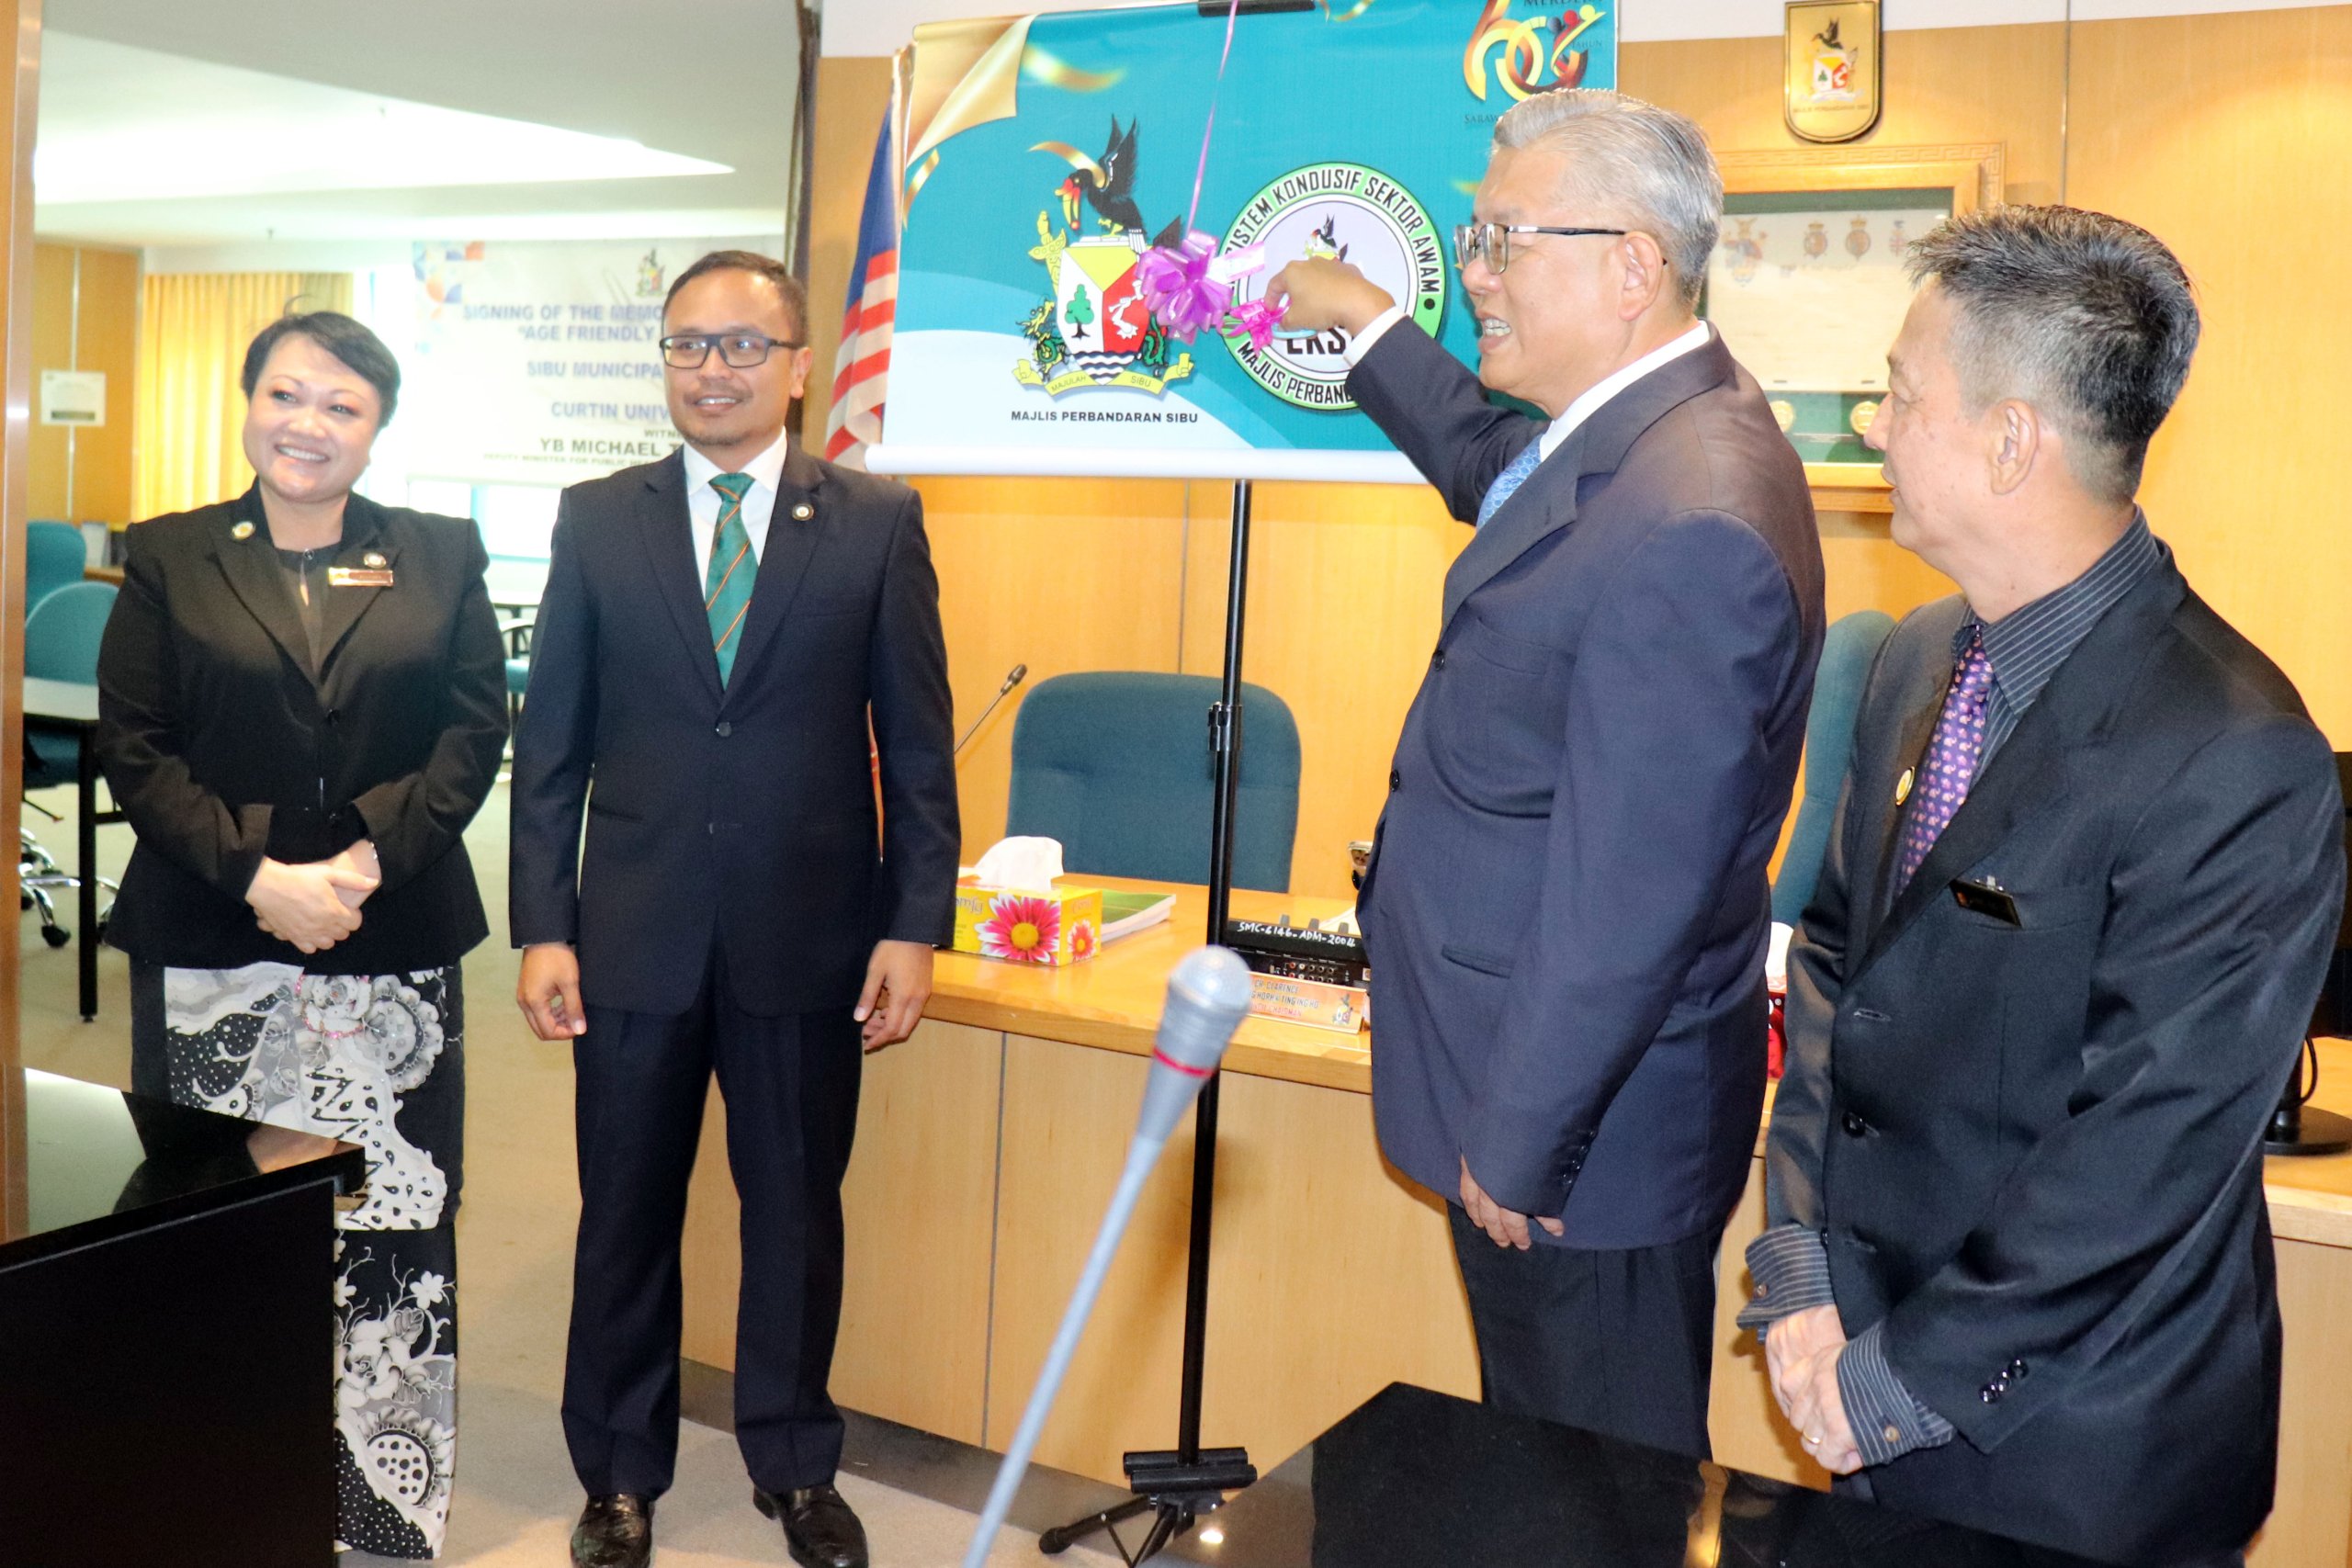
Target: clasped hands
<point x="316" y="904"/>
<point x="1801" y="1353"/>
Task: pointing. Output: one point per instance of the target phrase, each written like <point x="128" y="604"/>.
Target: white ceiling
<point x="237" y="122"/>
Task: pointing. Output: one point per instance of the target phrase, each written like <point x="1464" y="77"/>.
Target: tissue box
<point x="1020" y="925"/>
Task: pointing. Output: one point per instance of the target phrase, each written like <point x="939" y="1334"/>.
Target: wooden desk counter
<point x="1114" y="1000"/>
<point x="989" y="1146"/>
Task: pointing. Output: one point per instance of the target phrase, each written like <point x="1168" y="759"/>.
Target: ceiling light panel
<point x="119" y="123"/>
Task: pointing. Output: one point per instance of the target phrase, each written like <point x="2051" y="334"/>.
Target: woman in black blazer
<point x="301" y="703"/>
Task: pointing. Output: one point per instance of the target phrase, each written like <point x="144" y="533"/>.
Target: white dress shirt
<point x="767" y="472"/>
<point x="1588" y="403"/>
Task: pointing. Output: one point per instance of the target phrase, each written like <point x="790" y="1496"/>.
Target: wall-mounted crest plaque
<point x="1832" y="92"/>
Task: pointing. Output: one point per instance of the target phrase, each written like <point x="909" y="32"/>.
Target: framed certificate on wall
<point x="1807" y="287"/>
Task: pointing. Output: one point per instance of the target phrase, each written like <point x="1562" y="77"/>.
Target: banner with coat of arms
<point x="1046" y="153"/>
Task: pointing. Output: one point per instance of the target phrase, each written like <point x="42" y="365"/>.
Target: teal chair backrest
<point x="61" y="634"/>
<point x="54" y="556"/>
<point x="1847" y="649"/>
<point x="1115" y="764"/>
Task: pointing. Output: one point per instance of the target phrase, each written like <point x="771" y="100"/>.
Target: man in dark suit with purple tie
<point x="2074" y="917"/>
<point x="1566" y="907"/>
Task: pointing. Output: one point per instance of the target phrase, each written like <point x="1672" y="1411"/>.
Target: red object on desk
<point x="1775" y="1032"/>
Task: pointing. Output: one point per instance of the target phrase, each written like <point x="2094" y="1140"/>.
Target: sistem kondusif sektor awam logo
<point x="1347" y="212"/>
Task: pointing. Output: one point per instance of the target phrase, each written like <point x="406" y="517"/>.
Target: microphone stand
<point x="1177" y="1485"/>
<point x="1012" y="677"/>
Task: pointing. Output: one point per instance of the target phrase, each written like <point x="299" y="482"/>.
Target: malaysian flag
<point x="861" y="367"/>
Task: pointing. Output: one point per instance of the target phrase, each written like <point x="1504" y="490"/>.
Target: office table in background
<point x="74" y="705"/>
<point x="988" y="1146"/>
<point x="166" y="1337"/>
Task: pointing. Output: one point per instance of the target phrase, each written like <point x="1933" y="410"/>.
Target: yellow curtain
<point x="193" y="331"/>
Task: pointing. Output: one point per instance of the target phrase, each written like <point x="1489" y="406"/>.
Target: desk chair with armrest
<point x="1847" y="650"/>
<point x="54" y="557"/>
<point x="1115" y="764"/>
<point x="61" y="636"/>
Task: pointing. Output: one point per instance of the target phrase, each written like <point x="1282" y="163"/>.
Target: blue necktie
<point x="1509" y="480"/>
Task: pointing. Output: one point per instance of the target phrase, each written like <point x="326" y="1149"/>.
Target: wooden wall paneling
<point x="1345" y="585"/>
<point x="110" y="298"/>
<point x="19" y="102"/>
<point x="919" y="1207"/>
<point x="710" y="1255"/>
<point x="2312" y="1520"/>
<point x="1067" y="1112"/>
<point x="52" y="334"/>
<point x="1333" y="1275"/>
<point x="94" y="327"/>
<point x="1060" y="574"/>
<point x="2227" y="136"/>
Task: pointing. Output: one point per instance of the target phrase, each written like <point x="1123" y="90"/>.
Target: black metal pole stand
<point x="1177" y="1485"/>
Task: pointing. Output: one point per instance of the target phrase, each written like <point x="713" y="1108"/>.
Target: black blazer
<point x="747" y="813"/>
<point x="1568" y="897"/>
<point x="221" y="749"/>
<point x="2035" y="1150"/>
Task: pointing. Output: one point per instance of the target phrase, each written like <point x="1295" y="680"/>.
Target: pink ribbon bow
<point x="1257" y="320"/>
<point x="1179" y="288"/>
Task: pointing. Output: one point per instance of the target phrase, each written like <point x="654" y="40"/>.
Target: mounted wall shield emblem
<point x="1832" y="56"/>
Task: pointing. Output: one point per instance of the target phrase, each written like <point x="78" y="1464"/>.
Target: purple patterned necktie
<point x="1951" y="760"/>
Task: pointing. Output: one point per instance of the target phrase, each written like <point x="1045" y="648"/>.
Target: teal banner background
<point x="1386" y="89"/>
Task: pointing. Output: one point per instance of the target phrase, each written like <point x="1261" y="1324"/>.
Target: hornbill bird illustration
<point x="1106" y="185"/>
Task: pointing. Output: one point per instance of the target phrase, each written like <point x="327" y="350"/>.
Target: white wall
<point x="879" y="27"/>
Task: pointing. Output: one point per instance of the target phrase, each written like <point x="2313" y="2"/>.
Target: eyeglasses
<point x="1491" y="243"/>
<point x="740" y="351"/>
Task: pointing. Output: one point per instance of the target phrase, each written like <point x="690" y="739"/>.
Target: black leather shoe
<point x="615" y="1531"/>
<point x="818" y="1528"/>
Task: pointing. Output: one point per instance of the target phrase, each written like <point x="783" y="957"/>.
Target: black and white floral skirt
<point x="375" y="1061"/>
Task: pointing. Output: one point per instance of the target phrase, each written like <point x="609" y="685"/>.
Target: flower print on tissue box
<point x="1009" y="907"/>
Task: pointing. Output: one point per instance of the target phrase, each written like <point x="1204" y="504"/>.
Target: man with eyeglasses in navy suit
<point x="718" y="627"/>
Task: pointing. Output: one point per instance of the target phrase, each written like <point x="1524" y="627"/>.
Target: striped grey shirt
<point x="2026" y="646"/>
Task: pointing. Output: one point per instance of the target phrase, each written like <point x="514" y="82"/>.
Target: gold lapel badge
<point x="1902" y="785"/>
<point x="241" y="531"/>
<point x="802" y="513"/>
<point x="373" y="558"/>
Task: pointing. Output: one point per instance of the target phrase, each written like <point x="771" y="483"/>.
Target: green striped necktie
<point x="726" y="587"/>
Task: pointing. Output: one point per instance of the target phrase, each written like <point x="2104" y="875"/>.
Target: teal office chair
<point x="1852" y="643"/>
<point x="62" y="638"/>
<point x="54" y="556"/>
<point x="1115" y="764"/>
<point x="517" y="633"/>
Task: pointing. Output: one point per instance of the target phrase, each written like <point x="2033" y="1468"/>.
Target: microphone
<point x="1012" y="677"/>
<point x="1207" y="994"/>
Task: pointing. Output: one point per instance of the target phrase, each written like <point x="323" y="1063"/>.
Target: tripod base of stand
<point x="1173" y="1493"/>
<point x="2304" y="1131"/>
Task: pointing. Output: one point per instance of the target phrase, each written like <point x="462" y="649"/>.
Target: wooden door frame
<point x="20" y="106"/>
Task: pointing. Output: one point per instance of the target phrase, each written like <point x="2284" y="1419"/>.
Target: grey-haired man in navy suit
<point x="1568" y="906"/>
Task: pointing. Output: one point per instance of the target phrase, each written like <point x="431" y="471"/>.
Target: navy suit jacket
<point x="2034" y="1150"/>
<point x="1567" y="905"/>
<point x="743" y="814"/>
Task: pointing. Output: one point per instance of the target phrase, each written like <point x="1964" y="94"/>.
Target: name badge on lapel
<point x="359" y="577"/>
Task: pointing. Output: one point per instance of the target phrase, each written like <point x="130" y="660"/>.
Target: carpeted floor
<point x="515" y="1496"/>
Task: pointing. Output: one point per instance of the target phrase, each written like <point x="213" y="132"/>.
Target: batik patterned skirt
<point x="374" y="1061"/>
